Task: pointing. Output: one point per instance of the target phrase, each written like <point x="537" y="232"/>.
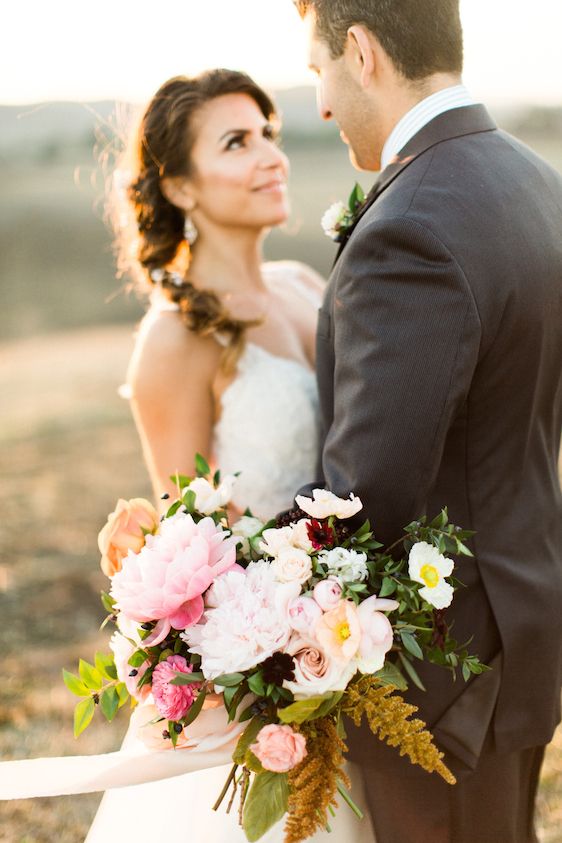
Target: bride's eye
<point x="235" y="142"/>
<point x="271" y="133"/>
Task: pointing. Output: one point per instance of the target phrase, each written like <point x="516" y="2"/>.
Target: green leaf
<point x="90" y="676"/>
<point x="106" y="665"/>
<point x="83" y="714"/>
<point x="189" y="498"/>
<point x="180" y="480"/>
<point x="107" y="601"/>
<point x="411" y="644"/>
<point x="329" y="703"/>
<point x="217" y="480"/>
<point x="195" y="709"/>
<point x="109" y="703"/>
<point x="388" y="587"/>
<point x="74" y="684"/>
<point x="187" y="678"/>
<point x="265" y="804"/>
<point x="411" y="671"/>
<point x="302" y="710"/>
<point x="122" y="693"/>
<point x="391" y="675"/>
<point x="229" y="680"/>
<point x="174" y="508"/>
<point x="465" y="672"/>
<point x="256" y="684"/>
<point x="172" y="732"/>
<point x="247" y="738"/>
<point x="201" y="466"/>
<point x="228" y="695"/>
<point x="139" y="657"/>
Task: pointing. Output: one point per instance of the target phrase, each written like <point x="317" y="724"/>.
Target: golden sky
<point x="124" y="49"/>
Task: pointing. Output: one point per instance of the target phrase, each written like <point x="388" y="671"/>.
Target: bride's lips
<point x="275" y="186"/>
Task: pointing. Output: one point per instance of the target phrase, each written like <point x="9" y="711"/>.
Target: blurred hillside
<point x="56" y="264"/>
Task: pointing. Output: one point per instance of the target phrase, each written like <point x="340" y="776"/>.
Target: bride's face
<point x="239" y="173"/>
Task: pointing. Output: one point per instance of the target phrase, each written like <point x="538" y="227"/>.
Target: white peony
<point x="207" y="498"/>
<point x="429" y="567"/>
<point x="376" y="633"/>
<point x="292" y="565"/>
<point x="247" y="621"/>
<point x="348" y="565"/>
<point x="324" y="504"/>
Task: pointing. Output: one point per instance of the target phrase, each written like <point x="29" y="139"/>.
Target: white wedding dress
<point x="268" y="431"/>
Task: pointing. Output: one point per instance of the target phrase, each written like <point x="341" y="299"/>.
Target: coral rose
<point x="125" y="530"/>
<point x="338" y="631"/>
<point x="173" y="701"/>
<point x="278" y="748"/>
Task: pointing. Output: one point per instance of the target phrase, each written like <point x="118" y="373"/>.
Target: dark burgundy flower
<point x="320" y="534"/>
<point x="440" y="629"/>
<point x="285" y="519"/>
<point x="277" y="668"/>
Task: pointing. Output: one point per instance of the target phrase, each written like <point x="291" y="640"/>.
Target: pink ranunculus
<point x="125" y="531"/>
<point x="165" y="581"/>
<point x="303" y="614"/>
<point x="173" y="701"/>
<point x="327" y="593"/>
<point x="376" y="633"/>
<point x="279" y="748"/>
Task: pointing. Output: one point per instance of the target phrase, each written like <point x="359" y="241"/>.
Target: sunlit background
<point x="105" y="49"/>
<point x="68" y="448"/>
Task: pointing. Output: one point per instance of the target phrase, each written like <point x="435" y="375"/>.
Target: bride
<point x="223" y="363"/>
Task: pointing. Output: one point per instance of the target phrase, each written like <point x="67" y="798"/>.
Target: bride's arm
<point x="171" y="375"/>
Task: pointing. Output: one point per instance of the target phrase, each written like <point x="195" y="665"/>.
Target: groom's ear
<point x="361" y="51"/>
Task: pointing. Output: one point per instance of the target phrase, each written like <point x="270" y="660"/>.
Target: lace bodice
<point x="268" y="425"/>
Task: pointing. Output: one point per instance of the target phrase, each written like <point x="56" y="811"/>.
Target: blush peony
<point x="165" y="581"/>
<point x="278" y="748"/>
<point x="125" y="531"/>
<point x="376" y="633"/>
<point x="173" y="701"/>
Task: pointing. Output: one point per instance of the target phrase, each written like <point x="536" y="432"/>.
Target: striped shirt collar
<point x="420" y="115"/>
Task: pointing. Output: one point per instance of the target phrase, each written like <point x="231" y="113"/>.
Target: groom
<point x="439" y="368"/>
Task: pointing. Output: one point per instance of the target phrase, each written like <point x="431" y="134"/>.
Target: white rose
<point x="292" y="565"/>
<point x="429" y="567"/>
<point x="207" y="498"/>
<point x="348" y="565"/>
<point x="324" y="504"/>
<point x="332" y="219"/>
<point x="245" y="528"/>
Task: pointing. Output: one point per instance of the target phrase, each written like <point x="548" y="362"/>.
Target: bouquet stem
<point x="344" y="793"/>
<point x="227" y="784"/>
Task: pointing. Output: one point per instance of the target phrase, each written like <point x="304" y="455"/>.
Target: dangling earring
<point x="189" y="230"/>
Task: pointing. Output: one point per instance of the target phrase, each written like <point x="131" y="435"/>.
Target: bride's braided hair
<point x="157" y="247"/>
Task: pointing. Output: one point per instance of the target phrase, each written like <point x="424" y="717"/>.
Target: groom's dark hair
<point x="421" y="37"/>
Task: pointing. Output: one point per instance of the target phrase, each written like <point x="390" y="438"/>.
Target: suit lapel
<point x="456" y="123"/>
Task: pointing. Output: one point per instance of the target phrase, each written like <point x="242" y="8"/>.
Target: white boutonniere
<point x="340" y="217"/>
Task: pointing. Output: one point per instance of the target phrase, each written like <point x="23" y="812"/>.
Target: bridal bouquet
<point x="291" y="627"/>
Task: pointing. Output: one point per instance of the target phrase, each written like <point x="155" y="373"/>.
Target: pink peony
<point x="278" y="748"/>
<point x="165" y="581"/>
<point x="327" y="593"/>
<point x="173" y="701"/>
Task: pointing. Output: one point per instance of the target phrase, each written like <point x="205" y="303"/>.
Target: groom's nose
<point x="323" y="108"/>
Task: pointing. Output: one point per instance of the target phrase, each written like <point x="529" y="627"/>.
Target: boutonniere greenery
<point x="339" y="217"/>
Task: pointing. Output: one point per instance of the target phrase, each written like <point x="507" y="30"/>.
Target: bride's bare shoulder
<point x="166" y="352"/>
<point x="303" y="274"/>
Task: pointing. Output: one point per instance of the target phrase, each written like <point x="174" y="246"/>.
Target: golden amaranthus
<point x="388" y="717"/>
<point x="313" y="783"/>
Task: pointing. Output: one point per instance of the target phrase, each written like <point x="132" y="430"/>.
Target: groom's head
<point x="375" y="59"/>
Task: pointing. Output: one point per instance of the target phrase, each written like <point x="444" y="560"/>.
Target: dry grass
<point x="67" y="451"/>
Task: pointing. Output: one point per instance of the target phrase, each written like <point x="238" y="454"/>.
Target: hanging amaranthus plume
<point x="313" y="783"/>
<point x="388" y="717"/>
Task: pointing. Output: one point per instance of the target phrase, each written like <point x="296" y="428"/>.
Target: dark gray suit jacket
<point x="439" y="370"/>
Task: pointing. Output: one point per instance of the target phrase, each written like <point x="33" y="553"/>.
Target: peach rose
<point x="125" y="530"/>
<point x="278" y="748"/>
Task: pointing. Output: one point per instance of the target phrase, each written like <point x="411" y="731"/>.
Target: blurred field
<point x="68" y="448"/>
